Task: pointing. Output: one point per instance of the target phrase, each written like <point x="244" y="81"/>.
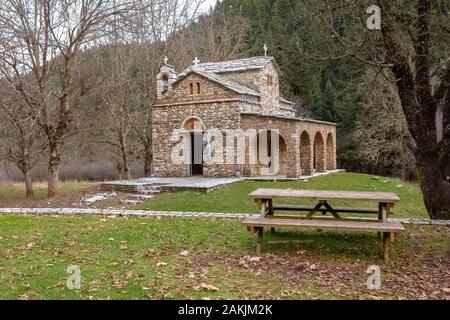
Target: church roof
<point x="213" y="71"/>
<point x="280" y="116"/>
<point x="230" y="65"/>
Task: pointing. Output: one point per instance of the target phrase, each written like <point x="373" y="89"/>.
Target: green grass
<point x="234" y="197"/>
<point x="16" y="190"/>
<point x="139" y="258"/>
<point x="118" y="257"/>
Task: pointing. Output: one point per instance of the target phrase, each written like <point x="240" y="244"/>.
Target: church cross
<point x="196" y="61"/>
<point x="166" y="60"/>
<point x="265" y="49"/>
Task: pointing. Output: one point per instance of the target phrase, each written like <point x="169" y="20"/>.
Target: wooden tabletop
<point x="387" y="197"/>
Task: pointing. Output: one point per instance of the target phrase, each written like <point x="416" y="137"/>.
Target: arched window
<point x="269" y="80"/>
<point x="193" y="123"/>
<point x="198" y="87"/>
<point x="192" y="87"/>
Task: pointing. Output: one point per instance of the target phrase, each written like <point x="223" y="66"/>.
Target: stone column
<point x="293" y="154"/>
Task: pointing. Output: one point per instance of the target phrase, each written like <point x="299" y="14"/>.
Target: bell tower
<point x="164" y="79"/>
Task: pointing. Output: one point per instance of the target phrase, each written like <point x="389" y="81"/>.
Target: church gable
<point x="196" y="87"/>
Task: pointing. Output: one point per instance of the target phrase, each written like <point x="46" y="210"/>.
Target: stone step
<point x="131" y="201"/>
<point x="149" y="191"/>
<point x="141" y="196"/>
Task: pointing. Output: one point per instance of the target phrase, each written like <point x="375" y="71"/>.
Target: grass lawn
<point x="233" y="197"/>
<point x="139" y="258"/>
<point x="16" y="190"/>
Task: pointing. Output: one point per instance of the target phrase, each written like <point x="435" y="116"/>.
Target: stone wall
<point x="257" y="80"/>
<point x="270" y="93"/>
<point x="248" y="78"/>
<point x="167" y="119"/>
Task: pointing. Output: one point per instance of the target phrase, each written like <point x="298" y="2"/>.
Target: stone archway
<point x="275" y="151"/>
<point x="331" y="162"/>
<point x="319" y="153"/>
<point x="305" y="154"/>
<point x="283" y="165"/>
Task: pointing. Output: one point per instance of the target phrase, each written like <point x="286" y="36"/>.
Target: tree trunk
<point x="148" y="160"/>
<point x="127" y="172"/>
<point x="124" y="153"/>
<point x="435" y="187"/>
<point x="28" y="184"/>
<point x="53" y="172"/>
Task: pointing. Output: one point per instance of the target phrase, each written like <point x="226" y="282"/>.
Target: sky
<point x="207" y="4"/>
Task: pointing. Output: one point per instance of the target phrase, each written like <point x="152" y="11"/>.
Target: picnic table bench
<point x="265" y="199"/>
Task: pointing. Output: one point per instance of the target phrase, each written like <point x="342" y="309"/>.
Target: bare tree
<point x="20" y="139"/>
<point x="216" y="36"/>
<point x="40" y="45"/>
<point x="117" y="94"/>
<point x="138" y="52"/>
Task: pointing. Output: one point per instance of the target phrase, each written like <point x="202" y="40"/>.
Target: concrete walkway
<point x="173" y="214"/>
<point x="168" y="184"/>
<point x="196" y="183"/>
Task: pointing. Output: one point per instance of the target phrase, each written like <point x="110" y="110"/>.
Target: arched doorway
<point x="319" y="153"/>
<point x="276" y="151"/>
<point x="305" y="154"/>
<point x="195" y="128"/>
<point x="330" y="153"/>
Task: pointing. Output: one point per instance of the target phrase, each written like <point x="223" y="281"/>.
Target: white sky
<point x="208" y="3"/>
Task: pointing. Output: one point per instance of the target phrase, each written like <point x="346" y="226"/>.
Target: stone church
<point x="236" y="94"/>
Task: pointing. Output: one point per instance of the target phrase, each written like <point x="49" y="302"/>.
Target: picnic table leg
<point x="331" y="210"/>
<point x="270" y="213"/>
<point x="314" y="210"/>
<point x="263" y="208"/>
<point x="382" y="215"/>
<point x="386" y="246"/>
<point x="259" y="244"/>
<point x="382" y="211"/>
<point x="392" y="236"/>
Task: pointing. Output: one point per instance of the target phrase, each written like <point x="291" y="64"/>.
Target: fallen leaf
<point x="24" y="296"/>
<point x="208" y="287"/>
<point x="184" y="253"/>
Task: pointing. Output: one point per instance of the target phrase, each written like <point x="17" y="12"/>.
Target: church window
<point x="193" y="124"/>
<point x="165" y="80"/>
<point x="198" y="87"/>
<point x="192" y="87"/>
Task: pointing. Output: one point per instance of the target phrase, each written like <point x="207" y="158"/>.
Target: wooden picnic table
<point x="266" y="197"/>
